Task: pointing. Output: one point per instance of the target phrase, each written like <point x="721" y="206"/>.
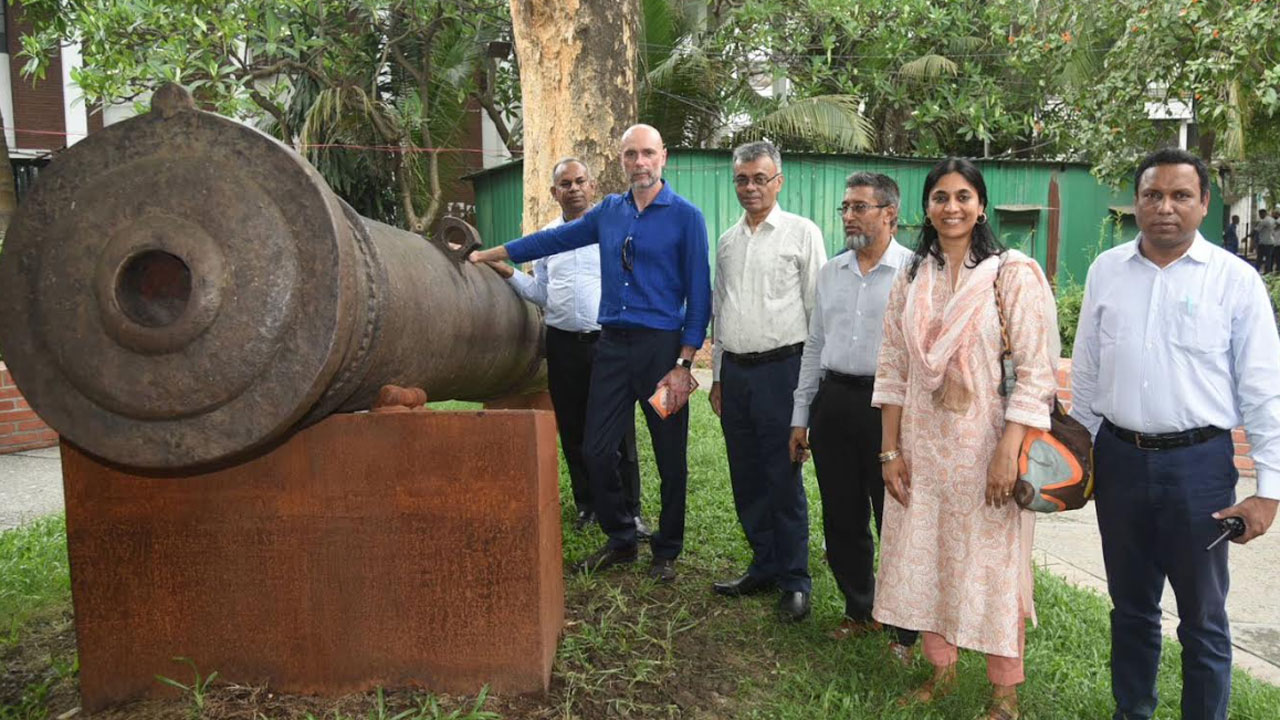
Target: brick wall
<point x="20" y="427"/>
<point x="1244" y="463"/>
<point x="37" y="105"/>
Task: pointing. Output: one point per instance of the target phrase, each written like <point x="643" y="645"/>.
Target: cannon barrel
<point x="179" y="290"/>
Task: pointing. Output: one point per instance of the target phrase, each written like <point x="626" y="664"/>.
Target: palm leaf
<point x="929" y="67"/>
<point x="833" y="121"/>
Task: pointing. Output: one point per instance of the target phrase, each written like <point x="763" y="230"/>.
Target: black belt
<point x="584" y="337"/>
<point x="1163" y="441"/>
<point x="858" y="381"/>
<point x="760" y="358"/>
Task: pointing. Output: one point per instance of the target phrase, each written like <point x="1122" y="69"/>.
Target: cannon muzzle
<point x="180" y="289"/>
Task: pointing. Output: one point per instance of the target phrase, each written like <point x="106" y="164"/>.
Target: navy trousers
<point x="768" y="491"/>
<point x="629" y="363"/>
<point x="570" y="357"/>
<point x="1154" y="512"/>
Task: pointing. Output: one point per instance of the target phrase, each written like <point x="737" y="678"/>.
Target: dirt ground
<point x="619" y="657"/>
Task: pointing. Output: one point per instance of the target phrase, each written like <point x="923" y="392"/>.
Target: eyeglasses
<point x="859" y="208"/>
<point x="758" y="180"/>
<point x="628" y="254"/>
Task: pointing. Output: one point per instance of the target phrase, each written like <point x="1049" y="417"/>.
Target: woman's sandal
<point x="1004" y="707"/>
<point x="938" y="685"/>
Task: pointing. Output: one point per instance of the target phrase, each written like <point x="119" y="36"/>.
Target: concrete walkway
<point x="1067" y="544"/>
<point x="30" y="486"/>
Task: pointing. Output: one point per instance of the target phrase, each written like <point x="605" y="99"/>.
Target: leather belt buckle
<point x="1137" y="441"/>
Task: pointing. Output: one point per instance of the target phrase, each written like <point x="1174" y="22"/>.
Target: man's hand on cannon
<point x="502" y="268"/>
<point x="492" y="255"/>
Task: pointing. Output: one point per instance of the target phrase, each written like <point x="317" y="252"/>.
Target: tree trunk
<point x="8" y="192"/>
<point x="578" y="91"/>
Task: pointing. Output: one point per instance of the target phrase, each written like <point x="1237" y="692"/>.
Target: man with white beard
<point x="832" y="405"/>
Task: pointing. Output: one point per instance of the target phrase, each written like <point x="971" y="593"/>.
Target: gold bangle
<point x="889" y="455"/>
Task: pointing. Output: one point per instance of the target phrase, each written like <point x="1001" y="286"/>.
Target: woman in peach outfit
<point x="955" y="554"/>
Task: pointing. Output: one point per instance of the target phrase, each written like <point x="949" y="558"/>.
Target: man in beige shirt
<point x="766" y="274"/>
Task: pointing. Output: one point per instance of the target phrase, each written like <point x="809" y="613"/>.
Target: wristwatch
<point x="684" y="363"/>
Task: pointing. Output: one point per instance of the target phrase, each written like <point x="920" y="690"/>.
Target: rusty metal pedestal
<point x="410" y="549"/>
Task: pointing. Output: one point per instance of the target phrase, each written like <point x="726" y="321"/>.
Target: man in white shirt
<point x="833" y="412"/>
<point x="1273" y="262"/>
<point x="766" y="271"/>
<point x="1176" y="346"/>
<point x="1264" y="234"/>
<point x="567" y="286"/>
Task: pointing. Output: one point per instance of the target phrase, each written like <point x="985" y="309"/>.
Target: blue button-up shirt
<point x="669" y="284"/>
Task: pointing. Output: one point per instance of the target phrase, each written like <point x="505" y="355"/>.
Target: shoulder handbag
<point x="1055" y="467"/>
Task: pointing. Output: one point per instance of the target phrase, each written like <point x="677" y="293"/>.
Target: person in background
<point x="1231" y="236"/>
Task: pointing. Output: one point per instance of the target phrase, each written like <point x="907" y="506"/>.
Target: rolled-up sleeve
<point x="697" y="281"/>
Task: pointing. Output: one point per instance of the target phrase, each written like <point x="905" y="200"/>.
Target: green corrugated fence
<point x="1090" y="217"/>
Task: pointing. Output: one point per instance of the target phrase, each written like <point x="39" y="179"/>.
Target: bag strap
<point x="1008" y="375"/>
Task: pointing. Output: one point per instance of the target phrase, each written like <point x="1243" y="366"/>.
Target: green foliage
<point x="34" y="574"/>
<point x="1118" y="59"/>
<point x="1070" y="295"/>
<point x="198" y="691"/>
<point x="355" y="82"/>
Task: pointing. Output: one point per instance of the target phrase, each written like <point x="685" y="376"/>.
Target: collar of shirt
<point x="894" y="257"/>
<point x="663" y="197"/>
<point x="1199" y="251"/>
<point x="771" y="221"/>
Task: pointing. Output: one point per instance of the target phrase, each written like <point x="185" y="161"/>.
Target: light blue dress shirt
<point x="565" y="285"/>
<point x="847" y="327"/>
<point x="1192" y="344"/>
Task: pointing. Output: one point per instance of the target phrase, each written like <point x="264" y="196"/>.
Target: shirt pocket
<point x="1206" y="331"/>
<point x="783" y="277"/>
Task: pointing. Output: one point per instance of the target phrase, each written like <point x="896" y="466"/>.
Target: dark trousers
<point x="1154" y="510"/>
<point x="1266" y="258"/>
<point x="844" y="435"/>
<point x="768" y="491"/>
<point x="569" y="359"/>
<point x="629" y="364"/>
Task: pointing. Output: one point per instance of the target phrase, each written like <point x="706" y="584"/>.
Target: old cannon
<point x="179" y="290"/>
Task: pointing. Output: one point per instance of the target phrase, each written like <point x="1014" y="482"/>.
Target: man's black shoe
<point x="793" y="606"/>
<point x="663" y="570"/>
<point x="748" y="584"/>
<point x="585" y="518"/>
<point x="642" y="530"/>
<point x="607" y="557"/>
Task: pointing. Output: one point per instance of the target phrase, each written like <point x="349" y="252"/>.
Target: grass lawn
<point x="633" y="648"/>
